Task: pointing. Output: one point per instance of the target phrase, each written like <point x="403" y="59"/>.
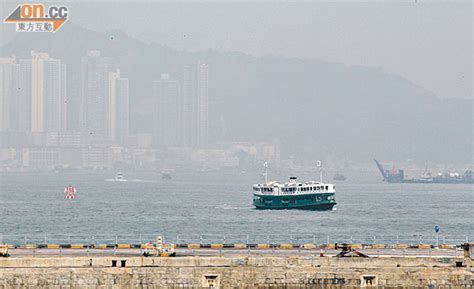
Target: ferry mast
<point x="319" y="164"/>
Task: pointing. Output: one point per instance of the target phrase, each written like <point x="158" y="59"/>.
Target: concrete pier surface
<point x="230" y="252"/>
<point x="237" y="268"/>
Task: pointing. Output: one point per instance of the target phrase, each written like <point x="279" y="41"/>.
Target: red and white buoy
<point x="69" y="192"/>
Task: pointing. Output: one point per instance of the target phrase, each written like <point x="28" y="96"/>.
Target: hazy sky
<point x="430" y="43"/>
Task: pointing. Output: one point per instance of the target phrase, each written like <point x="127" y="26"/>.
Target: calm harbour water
<point x="33" y="204"/>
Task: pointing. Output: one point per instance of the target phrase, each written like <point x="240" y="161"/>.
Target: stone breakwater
<point x="259" y="271"/>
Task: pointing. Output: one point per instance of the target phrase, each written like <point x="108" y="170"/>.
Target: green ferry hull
<point x="319" y="202"/>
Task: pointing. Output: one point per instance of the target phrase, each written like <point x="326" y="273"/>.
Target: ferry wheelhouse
<point x="294" y="195"/>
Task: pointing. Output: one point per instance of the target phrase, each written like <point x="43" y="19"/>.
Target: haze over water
<point x="209" y="203"/>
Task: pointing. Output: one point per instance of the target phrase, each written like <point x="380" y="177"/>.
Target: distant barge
<point x="398" y="176"/>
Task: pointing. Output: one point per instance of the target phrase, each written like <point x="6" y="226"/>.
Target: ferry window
<point x="327" y="188"/>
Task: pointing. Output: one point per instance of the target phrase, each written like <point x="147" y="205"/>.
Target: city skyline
<point x="307" y="108"/>
<point x="37" y="88"/>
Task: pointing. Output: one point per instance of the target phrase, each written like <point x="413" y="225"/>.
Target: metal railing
<point x="230" y="239"/>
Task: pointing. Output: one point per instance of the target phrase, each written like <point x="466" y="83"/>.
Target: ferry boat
<point x="294" y="195"/>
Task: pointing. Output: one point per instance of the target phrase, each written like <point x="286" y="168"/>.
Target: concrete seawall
<point x="276" y="271"/>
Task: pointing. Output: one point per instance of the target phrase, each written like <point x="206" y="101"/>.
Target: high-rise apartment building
<point x="203" y="104"/>
<point x="122" y="104"/>
<point x="118" y="108"/>
<point x="167" y="112"/>
<point x="196" y="105"/>
<point x="9" y="93"/>
<point x="42" y="94"/>
<point x="24" y="100"/>
<point x="95" y="103"/>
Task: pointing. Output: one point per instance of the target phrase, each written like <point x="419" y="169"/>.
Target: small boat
<point x="119" y="177"/>
<point x="166" y="175"/>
